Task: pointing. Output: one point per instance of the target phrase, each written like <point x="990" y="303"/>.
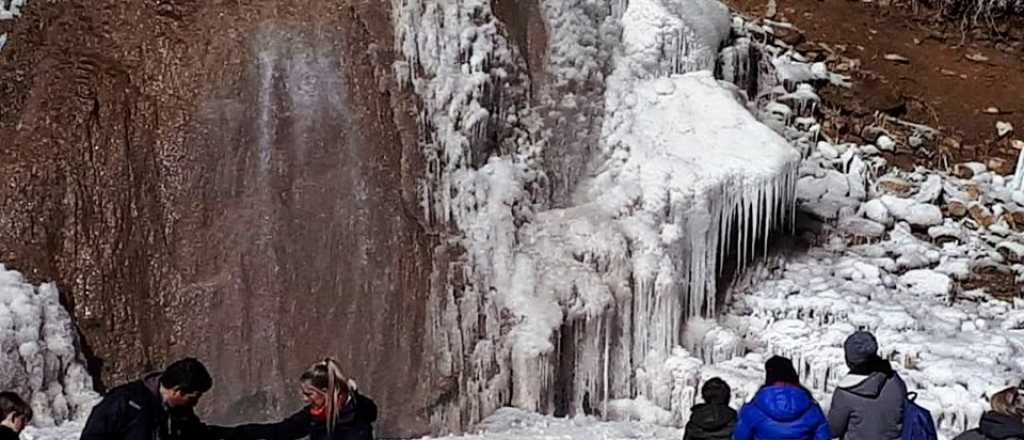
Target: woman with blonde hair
<point x="334" y="410"/>
<point x="1004" y="421"/>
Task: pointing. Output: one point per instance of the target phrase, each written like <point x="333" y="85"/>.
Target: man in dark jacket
<point x="158" y="407"/>
<point x="713" y="419"/>
<point x="1004" y="421"/>
<point x="14" y="415"/>
<point x="868" y="403"/>
<point x="996" y="426"/>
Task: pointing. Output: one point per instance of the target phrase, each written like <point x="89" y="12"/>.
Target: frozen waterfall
<point x="571" y="308"/>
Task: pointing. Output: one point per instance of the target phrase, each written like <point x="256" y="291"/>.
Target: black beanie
<point x="780" y="370"/>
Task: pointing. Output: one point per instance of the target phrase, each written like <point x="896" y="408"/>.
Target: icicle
<point x="607" y="361"/>
<point x="1018" y="175"/>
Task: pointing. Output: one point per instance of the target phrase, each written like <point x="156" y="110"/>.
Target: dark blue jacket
<point x="782" y="412"/>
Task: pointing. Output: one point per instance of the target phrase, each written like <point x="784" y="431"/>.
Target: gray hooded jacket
<point x="868" y="407"/>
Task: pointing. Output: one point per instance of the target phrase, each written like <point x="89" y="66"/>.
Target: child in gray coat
<point x="868" y="403"/>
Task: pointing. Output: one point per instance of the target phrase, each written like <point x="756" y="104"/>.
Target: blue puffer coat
<point x="782" y="412"/>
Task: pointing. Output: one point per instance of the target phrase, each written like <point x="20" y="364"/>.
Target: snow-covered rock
<point x="861" y="227"/>
<point x="827" y="150"/>
<point x="1003" y="128"/>
<point x="926" y="282"/>
<point x="885" y="143"/>
<point x="1012" y="251"/>
<point x="915" y="213"/>
<point x="876" y="211"/>
<point x="981" y="214"/>
<point x="930" y="190"/>
<point x="968" y="170"/>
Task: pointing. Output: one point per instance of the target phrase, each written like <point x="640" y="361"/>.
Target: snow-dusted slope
<point x="38" y="353"/>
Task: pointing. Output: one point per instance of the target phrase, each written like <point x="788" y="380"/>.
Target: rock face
<point x="234" y="181"/>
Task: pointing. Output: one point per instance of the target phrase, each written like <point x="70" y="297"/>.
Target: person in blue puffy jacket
<point x="782" y="409"/>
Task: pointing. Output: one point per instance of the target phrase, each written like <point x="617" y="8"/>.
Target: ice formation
<point x="575" y="304"/>
<point x="38" y="353"/>
<point x="595" y="302"/>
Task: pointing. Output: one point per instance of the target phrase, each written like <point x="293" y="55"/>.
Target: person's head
<point x="715" y="391"/>
<point x="1009" y="402"/>
<point x="184" y="382"/>
<point x="326" y="389"/>
<point x="14" y="412"/>
<point x="861" y="348"/>
<point x="779" y="370"/>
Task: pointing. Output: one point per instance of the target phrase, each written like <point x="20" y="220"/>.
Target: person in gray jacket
<point x="868" y="403"/>
<point x="1004" y="422"/>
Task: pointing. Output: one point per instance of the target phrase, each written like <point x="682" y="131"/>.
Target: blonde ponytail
<point x="327" y="376"/>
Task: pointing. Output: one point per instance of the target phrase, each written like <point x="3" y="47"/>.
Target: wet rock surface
<point x="234" y="181"/>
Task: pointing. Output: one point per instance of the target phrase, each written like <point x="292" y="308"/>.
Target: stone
<point x="810" y="188"/>
<point x="876" y="211"/>
<point x="827" y="150"/>
<point x="1000" y="165"/>
<point x="869" y="150"/>
<point x="1016" y="217"/>
<point x="792" y="37"/>
<point x="861" y="227"/>
<point x="885" y="143"/>
<point x="981" y="214"/>
<point x="894" y="186"/>
<point x="955" y="209"/>
<point x="871" y="133"/>
<point x="896" y="58"/>
<point x="976" y="57"/>
<point x="967" y="170"/>
<point x="921" y="215"/>
<point x="1003" y="129"/>
<point x="930" y="190"/>
<point x="836" y="184"/>
<point x="949" y="232"/>
<point x="972" y="190"/>
<point x="1012" y="251"/>
<point x="917" y="214"/>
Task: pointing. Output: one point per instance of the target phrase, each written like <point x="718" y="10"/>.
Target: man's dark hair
<point x="188" y="376"/>
<point x="12" y="403"/>
<point x="716" y="391"/>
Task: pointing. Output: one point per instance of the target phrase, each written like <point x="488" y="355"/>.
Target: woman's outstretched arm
<point x="294" y="427"/>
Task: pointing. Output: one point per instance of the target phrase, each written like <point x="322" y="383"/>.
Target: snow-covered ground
<point x="517" y="424"/>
